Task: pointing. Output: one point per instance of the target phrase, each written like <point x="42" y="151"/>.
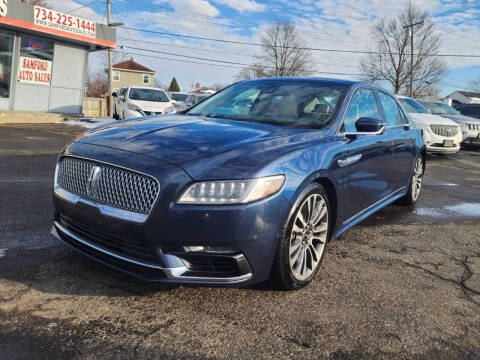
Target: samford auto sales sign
<point x="56" y="20"/>
<point x="34" y="71"/>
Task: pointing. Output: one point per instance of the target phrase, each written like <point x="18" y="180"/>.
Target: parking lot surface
<point x="401" y="285"/>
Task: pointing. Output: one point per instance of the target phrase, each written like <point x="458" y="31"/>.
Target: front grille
<point x="131" y="248"/>
<point x="445" y="130"/>
<point x="473" y="126"/>
<point x="117" y="187"/>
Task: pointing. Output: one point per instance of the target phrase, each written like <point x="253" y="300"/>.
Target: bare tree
<point x="96" y="84"/>
<point x="474" y="84"/>
<point x="284" y="53"/>
<point x="390" y="58"/>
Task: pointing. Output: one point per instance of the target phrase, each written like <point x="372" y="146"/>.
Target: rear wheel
<point x="303" y="240"/>
<point x="415" y="185"/>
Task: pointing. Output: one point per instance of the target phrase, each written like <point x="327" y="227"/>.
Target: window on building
<point x="146" y="78"/>
<point x="36" y="47"/>
<point x="116" y="75"/>
<point x="6" y="49"/>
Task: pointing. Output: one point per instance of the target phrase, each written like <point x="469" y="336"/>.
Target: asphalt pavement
<point x="401" y="285"/>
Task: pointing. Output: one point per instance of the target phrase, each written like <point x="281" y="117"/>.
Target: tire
<point x="307" y="251"/>
<point x="415" y="184"/>
<point x="115" y="115"/>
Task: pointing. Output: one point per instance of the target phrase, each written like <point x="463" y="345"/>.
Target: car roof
<point x="143" y="87"/>
<point x="474" y="105"/>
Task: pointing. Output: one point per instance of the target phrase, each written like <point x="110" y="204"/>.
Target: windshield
<point x="179" y="97"/>
<point x="148" y="95"/>
<point x="288" y="103"/>
<point x="439" y="108"/>
<point x="413" y="106"/>
<point x="199" y="98"/>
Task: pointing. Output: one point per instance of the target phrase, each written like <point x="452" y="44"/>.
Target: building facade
<point x="44" y="57"/>
<point x="131" y="73"/>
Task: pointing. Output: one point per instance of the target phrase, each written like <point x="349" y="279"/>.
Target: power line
<point x="216" y="51"/>
<point x="81" y="7"/>
<point x="224" y="61"/>
<point x="292" y="47"/>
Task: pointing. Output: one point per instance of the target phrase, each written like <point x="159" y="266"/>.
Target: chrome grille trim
<point x="126" y="190"/>
<point x="473" y="126"/>
<point x="445" y="130"/>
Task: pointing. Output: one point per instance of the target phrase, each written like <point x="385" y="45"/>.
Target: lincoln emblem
<point x="93" y="180"/>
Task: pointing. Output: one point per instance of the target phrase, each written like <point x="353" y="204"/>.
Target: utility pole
<point x="110" y="60"/>
<point x="110" y="98"/>
<point x="410" y="26"/>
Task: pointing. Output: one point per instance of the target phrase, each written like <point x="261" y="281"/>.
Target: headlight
<point x="169" y="110"/>
<point x="231" y="191"/>
<point x="134" y="107"/>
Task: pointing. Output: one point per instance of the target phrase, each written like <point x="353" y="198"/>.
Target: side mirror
<point x="370" y="125"/>
<point x="114" y="94"/>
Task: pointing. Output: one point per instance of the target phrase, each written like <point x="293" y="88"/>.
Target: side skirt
<point x="362" y="215"/>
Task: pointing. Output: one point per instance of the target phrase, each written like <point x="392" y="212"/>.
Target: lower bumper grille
<point x="130" y="248"/>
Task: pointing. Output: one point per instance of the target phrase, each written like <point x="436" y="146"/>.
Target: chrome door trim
<point x="374" y="205"/>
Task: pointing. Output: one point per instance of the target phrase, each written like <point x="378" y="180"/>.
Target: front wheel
<point x="415" y="185"/>
<point x="303" y="240"/>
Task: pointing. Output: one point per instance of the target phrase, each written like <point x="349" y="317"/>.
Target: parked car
<point x="441" y="135"/>
<point x="470" y="126"/>
<point x="178" y="100"/>
<point x="136" y="101"/>
<point x="472" y="110"/>
<point x="193" y="99"/>
<point x="236" y="195"/>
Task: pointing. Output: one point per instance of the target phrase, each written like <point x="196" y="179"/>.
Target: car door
<point x="403" y="149"/>
<point x="364" y="170"/>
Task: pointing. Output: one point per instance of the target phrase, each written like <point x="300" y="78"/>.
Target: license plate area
<point x="448" y="143"/>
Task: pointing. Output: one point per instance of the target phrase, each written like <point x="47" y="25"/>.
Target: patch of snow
<point x="89" y="123"/>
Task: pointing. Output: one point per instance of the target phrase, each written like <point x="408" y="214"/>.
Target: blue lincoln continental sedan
<point x="247" y="186"/>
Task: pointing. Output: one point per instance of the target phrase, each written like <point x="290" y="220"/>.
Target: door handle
<point x="349" y="160"/>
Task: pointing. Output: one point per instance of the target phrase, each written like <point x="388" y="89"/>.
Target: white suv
<point x="441" y="135"/>
<point x="137" y="101"/>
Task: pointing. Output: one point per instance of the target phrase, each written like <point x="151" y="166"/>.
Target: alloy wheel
<point x="308" y="237"/>
<point x="417" y="179"/>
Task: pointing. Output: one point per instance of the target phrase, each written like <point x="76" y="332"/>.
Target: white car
<point x="178" y="100"/>
<point x="137" y="101"/>
<point x="441" y="135"/>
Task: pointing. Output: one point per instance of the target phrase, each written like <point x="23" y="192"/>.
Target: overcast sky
<point x="329" y="24"/>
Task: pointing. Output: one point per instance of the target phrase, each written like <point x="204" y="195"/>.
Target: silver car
<point x="470" y="125"/>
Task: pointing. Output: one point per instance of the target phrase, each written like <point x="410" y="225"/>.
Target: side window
<point x="393" y="116"/>
<point x="363" y="104"/>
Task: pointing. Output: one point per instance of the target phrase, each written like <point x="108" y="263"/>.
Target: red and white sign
<point x="56" y="20"/>
<point x="34" y="71"/>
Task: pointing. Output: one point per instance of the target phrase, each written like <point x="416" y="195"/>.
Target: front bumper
<point x="435" y="143"/>
<point x="243" y="237"/>
<point x="470" y="135"/>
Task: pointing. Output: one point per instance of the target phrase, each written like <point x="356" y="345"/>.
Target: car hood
<point x="429" y="119"/>
<point x="183" y="140"/>
<point x="462" y="119"/>
<point x="151" y="106"/>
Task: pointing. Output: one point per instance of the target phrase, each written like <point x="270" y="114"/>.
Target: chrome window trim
<point x="174" y="273"/>
<point x="104" y="209"/>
